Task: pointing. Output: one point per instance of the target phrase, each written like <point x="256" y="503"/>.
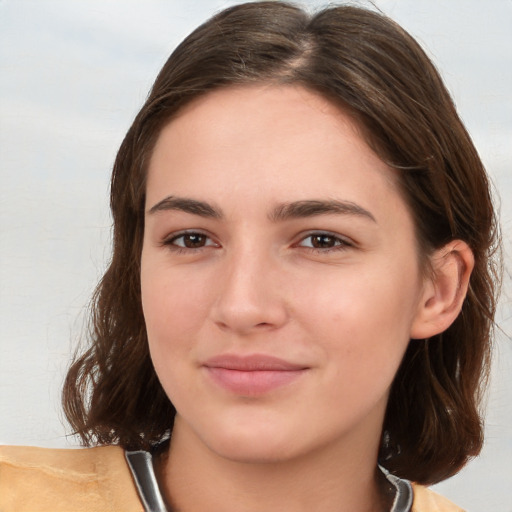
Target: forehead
<point x="255" y="109"/>
<point x="272" y="140"/>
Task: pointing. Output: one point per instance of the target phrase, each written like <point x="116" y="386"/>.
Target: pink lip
<point x="252" y="375"/>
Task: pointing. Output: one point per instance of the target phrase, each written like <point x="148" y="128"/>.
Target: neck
<point x="197" y="479"/>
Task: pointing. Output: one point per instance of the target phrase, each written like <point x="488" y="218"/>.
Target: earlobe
<point x="444" y="290"/>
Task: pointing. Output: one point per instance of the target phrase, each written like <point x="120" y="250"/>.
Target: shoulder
<point x="426" y="500"/>
<point x="43" y="479"/>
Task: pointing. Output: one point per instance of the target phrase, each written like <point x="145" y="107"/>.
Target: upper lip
<point x="252" y="363"/>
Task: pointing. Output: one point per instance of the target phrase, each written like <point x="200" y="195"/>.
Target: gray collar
<point x="141" y="466"/>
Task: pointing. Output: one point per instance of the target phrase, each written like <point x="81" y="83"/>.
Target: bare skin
<point x="252" y="488"/>
<point x="290" y="485"/>
<point x="281" y="286"/>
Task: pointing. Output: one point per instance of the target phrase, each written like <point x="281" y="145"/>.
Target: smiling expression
<point x="280" y="274"/>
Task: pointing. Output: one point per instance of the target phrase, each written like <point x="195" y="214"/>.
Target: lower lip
<point x="252" y="383"/>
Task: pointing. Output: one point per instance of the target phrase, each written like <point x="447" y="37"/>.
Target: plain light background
<point x="72" y="76"/>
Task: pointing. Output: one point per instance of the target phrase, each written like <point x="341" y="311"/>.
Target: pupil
<point x="322" y="241"/>
<point x="193" y="241"/>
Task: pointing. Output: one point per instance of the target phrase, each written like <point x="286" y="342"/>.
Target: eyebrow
<point x="282" y="212"/>
<point x="186" y="205"/>
<point x="310" y="208"/>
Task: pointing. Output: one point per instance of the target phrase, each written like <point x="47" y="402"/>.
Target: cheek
<point x="175" y="306"/>
<point x="363" y="345"/>
<point x="355" y="299"/>
<point x="169" y="315"/>
<point x="172" y="302"/>
<point x="362" y="319"/>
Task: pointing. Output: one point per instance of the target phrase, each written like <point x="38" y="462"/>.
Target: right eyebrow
<point x="186" y="205"/>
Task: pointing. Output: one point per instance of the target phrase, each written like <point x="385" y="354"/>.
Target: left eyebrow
<point x="310" y="208"/>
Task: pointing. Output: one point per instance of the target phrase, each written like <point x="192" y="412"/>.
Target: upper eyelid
<point x="183" y="232"/>
<point x="169" y="239"/>
<point x="298" y="238"/>
<point x="315" y="232"/>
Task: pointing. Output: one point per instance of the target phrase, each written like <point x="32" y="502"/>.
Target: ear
<point x="444" y="290"/>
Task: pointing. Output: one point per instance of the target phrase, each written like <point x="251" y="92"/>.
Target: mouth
<point x="252" y="375"/>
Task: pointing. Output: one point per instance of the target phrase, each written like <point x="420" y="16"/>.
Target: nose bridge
<point x="249" y="293"/>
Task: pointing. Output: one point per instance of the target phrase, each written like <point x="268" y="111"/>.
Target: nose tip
<point x="250" y="300"/>
<point x="244" y="322"/>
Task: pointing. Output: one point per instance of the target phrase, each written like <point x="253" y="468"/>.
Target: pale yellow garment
<point x="50" y="480"/>
<point x="98" y="480"/>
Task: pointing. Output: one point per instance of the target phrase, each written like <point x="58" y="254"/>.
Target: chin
<point x="254" y="451"/>
<point x="255" y="444"/>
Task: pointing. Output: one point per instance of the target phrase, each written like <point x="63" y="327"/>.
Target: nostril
<point x="222" y="325"/>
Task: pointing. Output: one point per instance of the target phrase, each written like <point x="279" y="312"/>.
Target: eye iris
<point x="323" y="241"/>
<point x="193" y="241"/>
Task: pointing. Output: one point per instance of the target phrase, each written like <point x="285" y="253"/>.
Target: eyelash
<point x="341" y="243"/>
<point x="170" y="242"/>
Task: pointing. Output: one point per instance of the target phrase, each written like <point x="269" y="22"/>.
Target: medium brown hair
<point x="375" y="71"/>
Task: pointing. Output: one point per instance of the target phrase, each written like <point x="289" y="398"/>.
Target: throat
<point x="190" y="486"/>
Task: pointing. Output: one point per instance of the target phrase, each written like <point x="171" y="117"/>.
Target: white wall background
<point x="72" y="76"/>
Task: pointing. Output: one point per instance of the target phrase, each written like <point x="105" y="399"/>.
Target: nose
<point x="251" y="294"/>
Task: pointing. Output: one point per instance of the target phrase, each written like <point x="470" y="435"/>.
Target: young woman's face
<point x="280" y="275"/>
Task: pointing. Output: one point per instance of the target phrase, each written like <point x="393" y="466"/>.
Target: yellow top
<point x="50" y="480"/>
<point x="99" y="480"/>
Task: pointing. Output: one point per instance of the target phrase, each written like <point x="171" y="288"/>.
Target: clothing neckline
<point x="141" y="465"/>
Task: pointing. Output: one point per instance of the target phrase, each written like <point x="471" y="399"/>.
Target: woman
<point x="301" y="291"/>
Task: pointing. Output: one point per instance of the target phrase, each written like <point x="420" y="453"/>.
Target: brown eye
<point x="194" y="241"/>
<point x="323" y="241"/>
<point x="190" y="241"/>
